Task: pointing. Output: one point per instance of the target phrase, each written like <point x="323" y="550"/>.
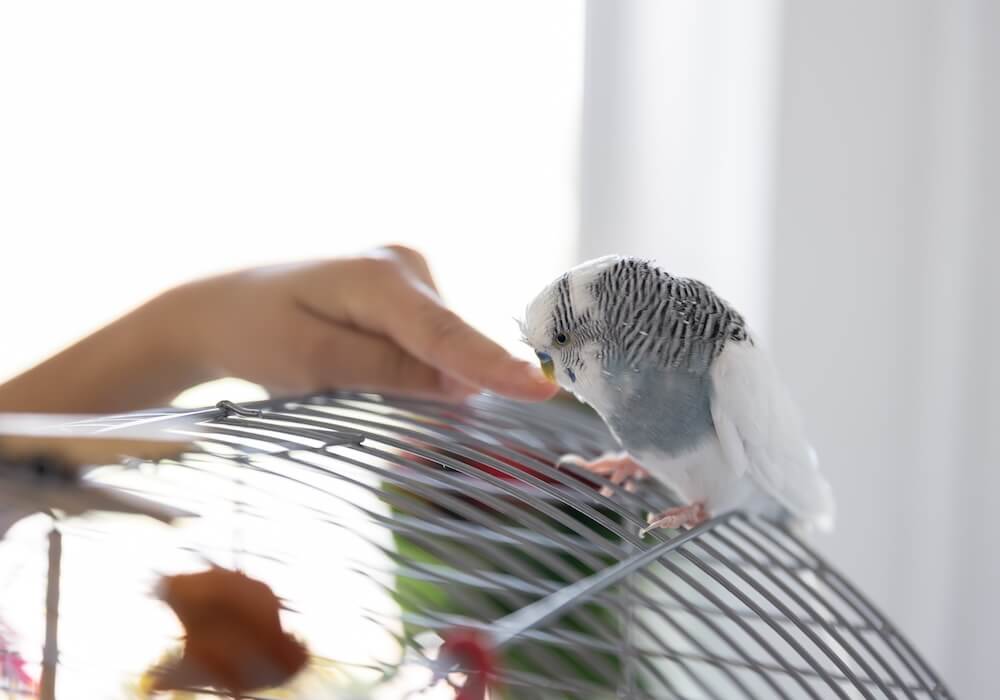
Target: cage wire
<point x="385" y="524"/>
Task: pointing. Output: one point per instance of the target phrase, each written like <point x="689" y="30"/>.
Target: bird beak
<point x="548" y="367"/>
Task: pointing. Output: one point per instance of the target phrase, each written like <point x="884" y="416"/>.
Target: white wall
<point x="885" y="303"/>
<point x="676" y="139"/>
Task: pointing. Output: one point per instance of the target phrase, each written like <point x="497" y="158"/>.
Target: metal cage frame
<point x="492" y="533"/>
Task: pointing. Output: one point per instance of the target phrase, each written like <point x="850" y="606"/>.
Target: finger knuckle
<point x="404" y="253"/>
<point x="395" y="367"/>
<point x="444" y="329"/>
<point x="377" y="268"/>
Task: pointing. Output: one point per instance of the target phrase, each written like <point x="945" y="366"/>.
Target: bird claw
<point x="673" y="518"/>
<point x="619" y="468"/>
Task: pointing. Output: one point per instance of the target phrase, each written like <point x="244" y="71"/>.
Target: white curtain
<point x="832" y="167"/>
<point x="677" y="98"/>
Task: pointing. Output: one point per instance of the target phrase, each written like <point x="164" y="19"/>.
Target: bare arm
<point x="123" y="366"/>
<point x="369" y="322"/>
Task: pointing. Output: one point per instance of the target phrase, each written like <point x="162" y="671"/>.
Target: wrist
<point x="138" y="361"/>
<point x="173" y="335"/>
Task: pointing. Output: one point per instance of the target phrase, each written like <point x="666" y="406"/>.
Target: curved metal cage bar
<point x="461" y="517"/>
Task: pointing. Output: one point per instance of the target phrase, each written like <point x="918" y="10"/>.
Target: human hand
<point x="371" y="322"/>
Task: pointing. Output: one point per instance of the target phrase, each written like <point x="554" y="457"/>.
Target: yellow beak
<point x="548" y="367"/>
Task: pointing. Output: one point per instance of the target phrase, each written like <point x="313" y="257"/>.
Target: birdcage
<point x="393" y="527"/>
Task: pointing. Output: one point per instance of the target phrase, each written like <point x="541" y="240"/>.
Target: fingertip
<point x="525" y="381"/>
<point x="544" y="393"/>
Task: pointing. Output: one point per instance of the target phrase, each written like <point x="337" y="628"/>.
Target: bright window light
<point x="145" y="144"/>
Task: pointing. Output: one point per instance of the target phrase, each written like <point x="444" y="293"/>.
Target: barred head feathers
<point x="621" y="313"/>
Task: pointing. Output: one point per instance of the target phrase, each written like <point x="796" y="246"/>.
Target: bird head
<point x="562" y="326"/>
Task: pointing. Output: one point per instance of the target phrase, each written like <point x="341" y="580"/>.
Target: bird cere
<point x="691" y="397"/>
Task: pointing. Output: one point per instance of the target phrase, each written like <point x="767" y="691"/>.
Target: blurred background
<point x="830" y="167"/>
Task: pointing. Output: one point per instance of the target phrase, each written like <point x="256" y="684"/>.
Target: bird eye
<point x="562" y="338"/>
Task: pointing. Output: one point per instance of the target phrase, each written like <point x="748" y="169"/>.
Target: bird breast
<point x="664" y="410"/>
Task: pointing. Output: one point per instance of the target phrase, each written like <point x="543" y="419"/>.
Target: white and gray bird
<point x="686" y="390"/>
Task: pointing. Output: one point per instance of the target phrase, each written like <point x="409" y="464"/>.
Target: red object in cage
<point x="12" y="669"/>
<point x="471" y="648"/>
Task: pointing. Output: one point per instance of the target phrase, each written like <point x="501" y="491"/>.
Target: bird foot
<point x="619" y="468"/>
<point x="679" y="516"/>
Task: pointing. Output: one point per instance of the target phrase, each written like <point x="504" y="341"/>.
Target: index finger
<point x="423" y="326"/>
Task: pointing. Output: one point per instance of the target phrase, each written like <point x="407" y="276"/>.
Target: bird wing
<point x="760" y="433"/>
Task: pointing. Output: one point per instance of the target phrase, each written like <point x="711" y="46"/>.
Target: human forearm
<point x="129" y="364"/>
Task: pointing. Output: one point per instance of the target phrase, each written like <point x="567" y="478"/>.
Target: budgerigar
<point x="686" y="390"/>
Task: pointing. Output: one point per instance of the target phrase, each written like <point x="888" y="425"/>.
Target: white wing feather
<point x="761" y="434"/>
